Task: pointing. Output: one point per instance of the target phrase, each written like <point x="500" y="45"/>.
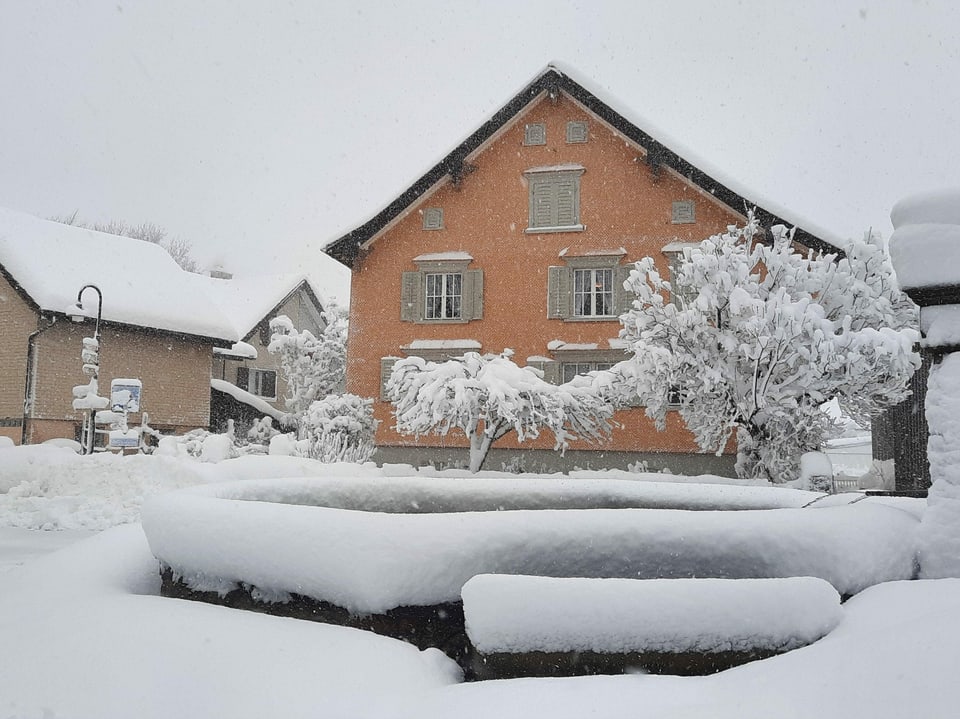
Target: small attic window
<point x="433" y="218"/>
<point x="684" y="212"/>
<point x="535" y="134"/>
<point x="576" y="132"/>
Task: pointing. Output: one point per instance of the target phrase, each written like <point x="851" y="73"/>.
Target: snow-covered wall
<point x="277" y="536"/>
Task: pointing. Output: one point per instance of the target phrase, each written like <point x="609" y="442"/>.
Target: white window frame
<point x="593" y="292"/>
<point x="569" y="370"/>
<point x="443" y="296"/>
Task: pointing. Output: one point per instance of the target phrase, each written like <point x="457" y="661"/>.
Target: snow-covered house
<point x="246" y="382"/>
<point x="158" y="326"/>
<point x="521" y="237"/>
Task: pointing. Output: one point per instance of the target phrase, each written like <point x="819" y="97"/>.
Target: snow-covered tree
<point x="338" y="428"/>
<point x="312" y="366"/>
<point x="488" y="396"/>
<point x="751" y="339"/>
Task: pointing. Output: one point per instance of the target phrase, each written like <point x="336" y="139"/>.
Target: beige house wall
<point x="17" y="320"/>
<point x="174" y="370"/>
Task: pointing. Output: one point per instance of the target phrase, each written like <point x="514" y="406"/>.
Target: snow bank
<point x="514" y="614"/>
<point x="46" y="487"/>
<point x="372" y="561"/>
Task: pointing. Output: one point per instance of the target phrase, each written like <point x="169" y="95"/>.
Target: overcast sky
<point x="260" y="131"/>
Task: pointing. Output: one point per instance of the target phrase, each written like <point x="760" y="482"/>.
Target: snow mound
<point x="274" y="536"/>
<point x="513" y="614"/>
<point x="941" y="206"/>
<point x="48" y="487"/>
<point x="926" y="255"/>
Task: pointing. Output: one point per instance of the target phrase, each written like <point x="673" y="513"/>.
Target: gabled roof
<point x="552" y="80"/>
<point x="142" y="286"/>
<point x="249" y="300"/>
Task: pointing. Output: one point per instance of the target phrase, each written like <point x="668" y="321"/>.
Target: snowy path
<point x="18" y="546"/>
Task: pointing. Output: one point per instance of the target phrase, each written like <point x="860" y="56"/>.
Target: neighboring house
<point x="158" y="326"/>
<point x="521" y="237"/>
<point x="247" y="383"/>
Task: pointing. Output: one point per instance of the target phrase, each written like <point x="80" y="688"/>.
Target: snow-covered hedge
<point x="274" y="536"/>
<point x="513" y="614"/>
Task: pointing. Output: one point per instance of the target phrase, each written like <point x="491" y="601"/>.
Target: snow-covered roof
<point x="141" y="283"/>
<point x="248" y="300"/>
<point x="658" y="144"/>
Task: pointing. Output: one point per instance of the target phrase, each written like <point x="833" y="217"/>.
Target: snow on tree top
<point x="141" y="283"/>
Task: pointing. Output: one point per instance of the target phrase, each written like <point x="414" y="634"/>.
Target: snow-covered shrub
<point x="312" y="366"/>
<point x="488" y="396"/>
<point x="262" y="431"/>
<point x="750" y="339"/>
<point x="338" y="428"/>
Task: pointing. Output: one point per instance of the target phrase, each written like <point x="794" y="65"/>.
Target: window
<point x="683" y="212"/>
<point x="675" y="252"/>
<point x="593" y="292"/>
<point x="261" y="382"/>
<point x="576" y="132"/>
<point x="569" y="370"/>
<point x="442" y="290"/>
<point x="588" y="287"/>
<point x="433" y="218"/>
<point x="535" y="134"/>
<point x="554" y="198"/>
<point x="444" y="297"/>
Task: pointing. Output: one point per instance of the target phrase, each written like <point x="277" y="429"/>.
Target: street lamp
<point x="90" y="356"/>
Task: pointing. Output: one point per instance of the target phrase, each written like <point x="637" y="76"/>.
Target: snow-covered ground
<point x="83" y="633"/>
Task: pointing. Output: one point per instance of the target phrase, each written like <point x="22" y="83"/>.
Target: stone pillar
<point x="925" y="248"/>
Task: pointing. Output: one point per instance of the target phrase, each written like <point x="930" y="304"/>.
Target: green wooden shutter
<point x="558" y="292"/>
<point x="411" y="299"/>
<point x="472" y="294"/>
<point x="568" y="210"/>
<point x="243" y="378"/>
<point x="622" y="298"/>
<point x="386" y="369"/>
<point x="542" y="202"/>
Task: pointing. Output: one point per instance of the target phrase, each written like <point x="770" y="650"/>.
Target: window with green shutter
<point x="554" y="194"/>
<point x="442" y="290"/>
<point x="588" y="287"/>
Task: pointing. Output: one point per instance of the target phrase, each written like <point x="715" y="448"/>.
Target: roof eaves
<point x="347" y="248"/>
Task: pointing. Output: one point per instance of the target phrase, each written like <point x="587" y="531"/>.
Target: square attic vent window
<point x="433" y="218"/>
<point x="535" y="134"/>
<point x="684" y="212"/>
<point x="576" y="132"/>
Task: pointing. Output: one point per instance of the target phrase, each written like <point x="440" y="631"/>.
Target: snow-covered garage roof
<point x="249" y="300"/>
<point x="142" y="285"/>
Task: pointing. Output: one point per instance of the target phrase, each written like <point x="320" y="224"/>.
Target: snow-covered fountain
<point x="393" y="554"/>
<point x="925" y="249"/>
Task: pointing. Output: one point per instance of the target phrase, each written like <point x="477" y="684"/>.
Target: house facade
<point x="156" y="327"/>
<point x="521" y="238"/>
<point x="257" y="384"/>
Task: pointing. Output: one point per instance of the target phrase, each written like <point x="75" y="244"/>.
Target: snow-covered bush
<point x="757" y="337"/>
<point x="338" y="428"/>
<point x="312" y="366"/>
<point x="262" y="431"/>
<point x="488" y="396"/>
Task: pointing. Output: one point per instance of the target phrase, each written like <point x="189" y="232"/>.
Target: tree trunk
<point x="479" y="447"/>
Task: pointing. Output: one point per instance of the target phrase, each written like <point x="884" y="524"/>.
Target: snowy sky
<point x="260" y="131"/>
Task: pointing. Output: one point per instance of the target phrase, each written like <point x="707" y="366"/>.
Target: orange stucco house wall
<point x="627" y="210"/>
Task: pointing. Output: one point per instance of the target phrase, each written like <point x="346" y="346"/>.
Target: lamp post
<point x="90" y="355"/>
